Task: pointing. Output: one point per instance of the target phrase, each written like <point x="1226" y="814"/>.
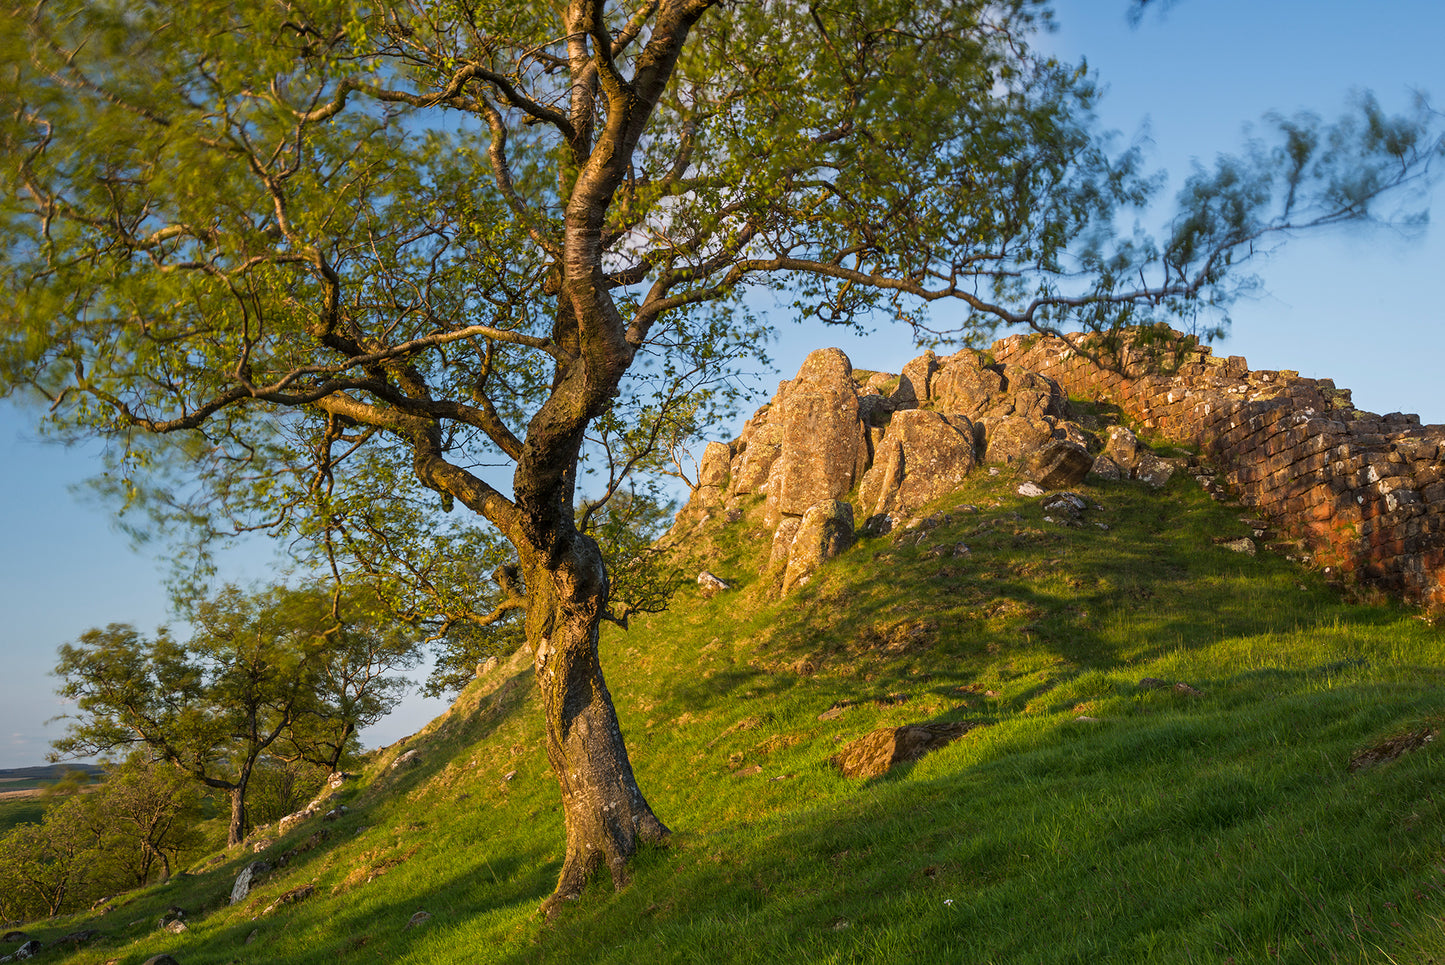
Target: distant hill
<point x="48" y="772"/>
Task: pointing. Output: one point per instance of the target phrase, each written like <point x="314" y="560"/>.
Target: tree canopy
<point x="331" y="270"/>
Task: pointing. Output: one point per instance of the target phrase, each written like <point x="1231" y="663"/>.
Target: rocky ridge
<point x="836" y="452"/>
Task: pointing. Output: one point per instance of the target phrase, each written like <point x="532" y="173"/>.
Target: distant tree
<point x="350" y="259"/>
<point x="211" y="707"/>
<point x="287" y="673"/>
<point x="43" y="865"/>
<point x="281" y="787"/>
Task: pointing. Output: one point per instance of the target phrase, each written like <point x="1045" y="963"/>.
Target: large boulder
<point x="1133" y="459"/>
<point x="825" y="530"/>
<point x="782" y="547"/>
<point x="824" y="446"/>
<point x="246" y="879"/>
<point x="714" y="469"/>
<point x="1031" y="395"/>
<point x="922" y="456"/>
<point x="1009" y="440"/>
<point x="913" y="384"/>
<point x="965" y="385"/>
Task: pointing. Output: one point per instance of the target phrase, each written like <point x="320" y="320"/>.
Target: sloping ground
<point x="1087" y="814"/>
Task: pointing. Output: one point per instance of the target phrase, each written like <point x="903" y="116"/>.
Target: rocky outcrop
<point x="1365" y="493"/>
<point x="831" y="450"/>
<point x="825" y="530"/>
<point x="823" y="448"/>
<point x="921" y="456"/>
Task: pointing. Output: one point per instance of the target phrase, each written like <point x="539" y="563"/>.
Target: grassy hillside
<point x="1083" y="818"/>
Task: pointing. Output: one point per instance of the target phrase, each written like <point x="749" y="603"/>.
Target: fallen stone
<point x="290" y="897"/>
<point x="77" y="938"/>
<point x="1106" y="468"/>
<point x="420" y="918"/>
<point x="1392" y="748"/>
<point x="710" y="584"/>
<point x="1059" y="464"/>
<point x="292" y="820"/>
<point x="1152" y="470"/>
<point x="1065" y="503"/>
<point x="28" y="950"/>
<point x="877" y="753"/>
<point x="246" y="879"/>
<point x="1030" y="490"/>
<point x="1243" y="545"/>
<point x="412" y="756"/>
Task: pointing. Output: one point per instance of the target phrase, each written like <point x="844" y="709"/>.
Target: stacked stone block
<point x="1366" y="493"/>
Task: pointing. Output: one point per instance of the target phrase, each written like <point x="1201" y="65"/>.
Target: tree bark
<point x="605" y="812"/>
<point x="236" y="833"/>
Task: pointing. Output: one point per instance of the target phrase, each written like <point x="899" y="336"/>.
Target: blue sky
<point x="1361" y="307"/>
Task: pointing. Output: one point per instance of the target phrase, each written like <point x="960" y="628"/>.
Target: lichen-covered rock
<point x="1122" y="448"/>
<point x="825" y="530"/>
<point x="913" y="384"/>
<point x="1152" y="470"/>
<point x="824" y="446"/>
<point x="782" y="546"/>
<point x="965" y="385"/>
<point x="246" y="879"/>
<point x="922" y="456"/>
<point x="1106" y="468"/>
<point x="714" y="469"/>
<point x="753" y="464"/>
<point x="1009" y="440"/>
<point x="710" y="583"/>
<point x="1032" y="396"/>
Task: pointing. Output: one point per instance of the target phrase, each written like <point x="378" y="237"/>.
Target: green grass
<point x="20" y="811"/>
<point x="1170" y="828"/>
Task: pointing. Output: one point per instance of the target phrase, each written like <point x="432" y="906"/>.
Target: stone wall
<point x="1365" y="493"/>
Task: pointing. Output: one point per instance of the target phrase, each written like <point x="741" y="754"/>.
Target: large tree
<point x="322" y="268"/>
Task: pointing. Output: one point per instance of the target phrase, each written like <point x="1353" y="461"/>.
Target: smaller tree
<point x="293" y="674"/>
<point x="43" y="865"/>
<point x="149" y="814"/>
<point x="211" y="707"/>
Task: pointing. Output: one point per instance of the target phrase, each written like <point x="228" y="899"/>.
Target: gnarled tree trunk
<point x="605" y="812"/>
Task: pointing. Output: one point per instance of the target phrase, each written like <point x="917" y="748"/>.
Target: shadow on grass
<point x="1196" y="834"/>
